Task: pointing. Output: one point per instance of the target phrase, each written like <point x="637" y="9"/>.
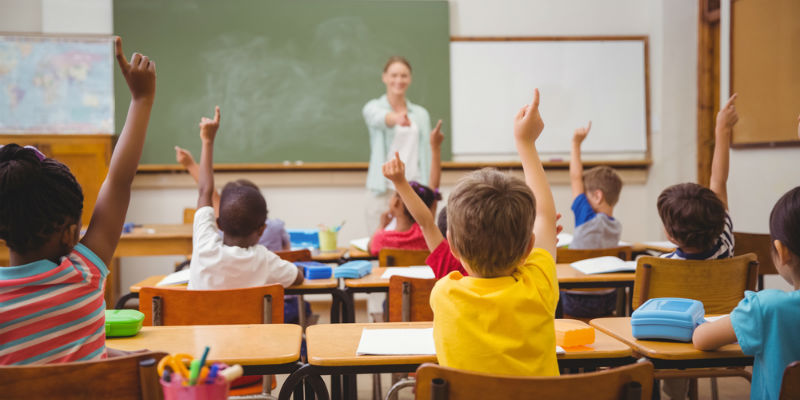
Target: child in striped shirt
<point x="51" y="296"/>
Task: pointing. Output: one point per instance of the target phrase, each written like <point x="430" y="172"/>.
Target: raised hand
<point x="395" y="170"/>
<point x="727" y="115"/>
<point x="208" y="127"/>
<point x="140" y="73"/>
<point x="184" y="157"/>
<point x="437" y="137"/>
<point x="528" y="124"/>
<point x="581" y="133"/>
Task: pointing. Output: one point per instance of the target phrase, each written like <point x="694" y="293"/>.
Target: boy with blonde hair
<point x="500" y="318"/>
<point x="595" y="193"/>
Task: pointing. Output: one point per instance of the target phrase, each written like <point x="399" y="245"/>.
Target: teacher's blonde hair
<point x="396" y="59"/>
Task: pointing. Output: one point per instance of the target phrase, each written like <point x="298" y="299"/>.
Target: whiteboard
<point x="579" y="80"/>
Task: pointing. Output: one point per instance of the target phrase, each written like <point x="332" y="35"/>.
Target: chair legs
<point x="402" y="383"/>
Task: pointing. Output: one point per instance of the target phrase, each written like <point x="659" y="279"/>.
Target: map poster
<point x="52" y="84"/>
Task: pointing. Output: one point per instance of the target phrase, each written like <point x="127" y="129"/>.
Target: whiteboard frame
<point x="643" y="39"/>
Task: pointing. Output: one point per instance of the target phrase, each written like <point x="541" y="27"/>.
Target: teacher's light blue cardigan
<point x="381" y="137"/>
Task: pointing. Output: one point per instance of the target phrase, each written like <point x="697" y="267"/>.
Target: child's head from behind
<point x="784" y="227"/>
<point x="39" y="198"/>
<point x="602" y="183"/>
<point x="490" y="222"/>
<point x="242" y="209"/>
<point x="693" y="216"/>
<point x="425" y="193"/>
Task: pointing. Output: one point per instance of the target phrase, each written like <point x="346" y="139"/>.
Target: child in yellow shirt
<point x="500" y="318"/>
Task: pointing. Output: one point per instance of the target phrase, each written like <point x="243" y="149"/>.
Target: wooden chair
<point x="295" y="255"/>
<point x="761" y="245"/>
<point x="633" y="381"/>
<point x="790" y="386"/>
<point x="409" y="300"/>
<point x="566" y="256"/>
<point x="178" y="306"/>
<point x="131" y="377"/>
<point x="718" y="284"/>
<point x="401" y="257"/>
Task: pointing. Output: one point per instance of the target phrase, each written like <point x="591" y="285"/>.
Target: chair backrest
<point x="633" y="381"/>
<point x="131" y="377"/>
<point x="719" y="284"/>
<point x="758" y="243"/>
<point x="409" y="299"/>
<point x="295" y="255"/>
<point x="790" y="387"/>
<point x="565" y="255"/>
<point x="188" y="215"/>
<point x="178" y="306"/>
<point x="388" y="257"/>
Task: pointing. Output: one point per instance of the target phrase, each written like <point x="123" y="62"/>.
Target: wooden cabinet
<point x="87" y="156"/>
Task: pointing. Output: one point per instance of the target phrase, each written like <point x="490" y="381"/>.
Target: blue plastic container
<point x="315" y="270"/>
<point x="667" y="318"/>
<point x="353" y="269"/>
<point x="304" y="238"/>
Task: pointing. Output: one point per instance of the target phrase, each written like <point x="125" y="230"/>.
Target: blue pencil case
<point x="667" y="318"/>
<point x="353" y="269"/>
<point x="304" y="238"/>
<point x="315" y="270"/>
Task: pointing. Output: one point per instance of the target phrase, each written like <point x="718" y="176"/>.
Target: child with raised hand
<point x="51" y="296"/>
<point x="441" y="260"/>
<point x="697" y="218"/>
<point x="595" y="193"/>
<point x="500" y="318"/>
<point x="275" y="236"/>
<point x="234" y="260"/>
<point x="765" y="322"/>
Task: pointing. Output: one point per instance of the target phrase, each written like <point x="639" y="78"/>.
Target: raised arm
<point x="726" y="119"/>
<point x="208" y="132"/>
<point x="437" y="137"/>
<point x="105" y="227"/>
<point x="575" y="162"/>
<point x="184" y="157"/>
<point x="395" y="171"/>
<point x="528" y="125"/>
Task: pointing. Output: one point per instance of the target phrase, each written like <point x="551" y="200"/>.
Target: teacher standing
<point x="395" y="125"/>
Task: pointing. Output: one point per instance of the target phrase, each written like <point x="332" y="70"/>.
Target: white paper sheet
<point x="560" y="350"/>
<point x="716" y="317"/>
<point x="361" y="244"/>
<point x="601" y="265"/>
<point x="175" y="278"/>
<point x="396" y="342"/>
<point x="564" y="239"/>
<point x="664" y="243"/>
<point x="421" y="272"/>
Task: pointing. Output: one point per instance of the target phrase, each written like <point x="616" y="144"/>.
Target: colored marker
<point x="194" y="371"/>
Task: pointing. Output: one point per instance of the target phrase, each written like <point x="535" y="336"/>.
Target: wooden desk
<point x="354" y="253"/>
<point x="568" y="278"/>
<point x="260" y="349"/>
<point x="335" y="256"/>
<point x="671" y="355"/>
<point x="342" y="308"/>
<point x="332" y="351"/>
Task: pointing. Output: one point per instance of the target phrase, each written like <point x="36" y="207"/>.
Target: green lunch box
<point x="123" y="322"/>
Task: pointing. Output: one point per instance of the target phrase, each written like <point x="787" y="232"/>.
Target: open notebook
<point x="401" y="342"/>
<point x="606" y="264"/>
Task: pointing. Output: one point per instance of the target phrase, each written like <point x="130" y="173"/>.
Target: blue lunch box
<point x="667" y="318"/>
<point x="315" y="270"/>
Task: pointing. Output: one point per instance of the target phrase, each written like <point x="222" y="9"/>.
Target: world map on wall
<point x="56" y="85"/>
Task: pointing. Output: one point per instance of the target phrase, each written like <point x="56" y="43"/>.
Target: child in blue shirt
<point x="765" y="323"/>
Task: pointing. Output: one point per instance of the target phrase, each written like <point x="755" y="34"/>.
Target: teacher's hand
<point x="398" y="118"/>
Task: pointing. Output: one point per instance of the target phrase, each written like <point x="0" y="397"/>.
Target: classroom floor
<point x="729" y="388"/>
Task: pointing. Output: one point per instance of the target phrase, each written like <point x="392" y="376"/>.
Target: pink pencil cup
<point x="174" y="390"/>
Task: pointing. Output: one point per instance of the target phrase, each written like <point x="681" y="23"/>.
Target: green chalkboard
<point x="291" y="77"/>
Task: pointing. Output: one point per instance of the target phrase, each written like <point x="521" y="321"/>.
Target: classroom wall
<point x="305" y="199"/>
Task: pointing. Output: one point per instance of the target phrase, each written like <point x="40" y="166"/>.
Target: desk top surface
<point x="307" y="284"/>
<point x="620" y="328"/>
<point x="564" y="272"/>
<point x="336" y="345"/>
<point x="261" y="344"/>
